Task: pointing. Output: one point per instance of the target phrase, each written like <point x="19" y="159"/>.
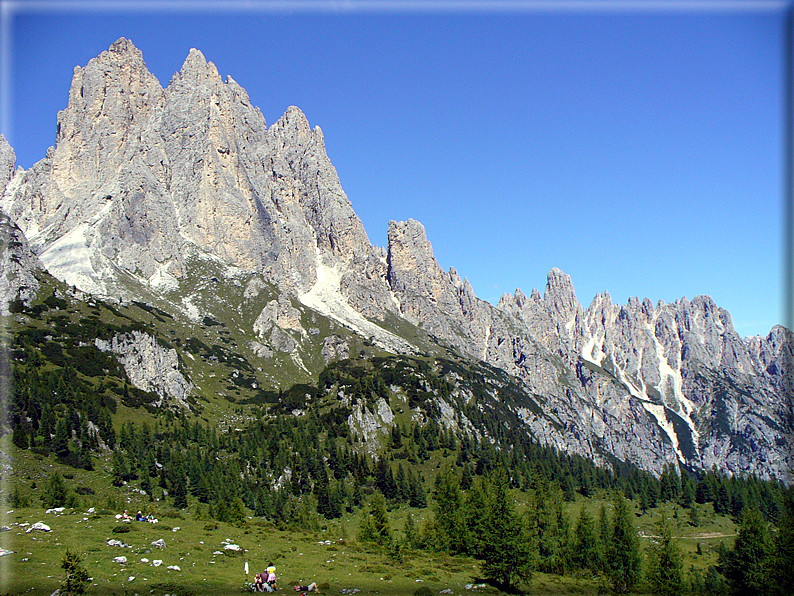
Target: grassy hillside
<point x="326" y="551"/>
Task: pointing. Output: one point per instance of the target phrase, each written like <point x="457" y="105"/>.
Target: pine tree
<point x="508" y="553"/>
<point x="60" y="443"/>
<point x="744" y="566"/>
<point x="665" y="565"/>
<point x="780" y="567"/>
<point x="54" y="492"/>
<point x="475" y="510"/>
<point x="76" y="574"/>
<point x="118" y="468"/>
<point x="323" y="495"/>
<point x="585" y="542"/>
<point x="445" y="507"/>
<point x="20" y="436"/>
<point x="417" y="496"/>
<point x="604" y="535"/>
<point x="178" y="483"/>
<point x="409" y="530"/>
<point x="623" y="551"/>
<point x="380" y="521"/>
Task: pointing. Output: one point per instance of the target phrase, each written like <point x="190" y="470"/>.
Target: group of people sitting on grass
<point x="266" y="582"/>
<point x="138" y="517"/>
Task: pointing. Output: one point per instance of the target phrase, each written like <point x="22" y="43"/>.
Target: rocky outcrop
<point x="334" y="348"/>
<point x="149" y="366"/>
<point x="439" y="301"/>
<point x="18" y="283"/>
<point x="142" y="176"/>
<point x="8" y="160"/>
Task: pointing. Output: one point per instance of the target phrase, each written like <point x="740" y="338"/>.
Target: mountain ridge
<point x="142" y="179"/>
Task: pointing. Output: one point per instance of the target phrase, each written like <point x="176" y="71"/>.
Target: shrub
<point x="424" y="591"/>
<point x="122" y="529"/>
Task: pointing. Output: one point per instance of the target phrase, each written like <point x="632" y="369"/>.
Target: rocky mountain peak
<point x="197" y="71"/>
<point x="8" y="160"/>
<point x="293" y="127"/>
<point x="560" y="296"/>
<point x="124" y="47"/>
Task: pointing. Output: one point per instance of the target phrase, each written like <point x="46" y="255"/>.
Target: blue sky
<point x="639" y="150"/>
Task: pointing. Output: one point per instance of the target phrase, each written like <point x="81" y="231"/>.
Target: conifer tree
<point x="76" y="574"/>
<point x="118" y="468"/>
<point x="744" y="566"/>
<point x="446" y="505"/>
<point x="665" y="563"/>
<point x="60" y="442"/>
<point x="604" y="535"/>
<point x="623" y="551"/>
<point x="409" y="530"/>
<point x="20" y="436"/>
<point x="780" y="567"/>
<point x="323" y="495"/>
<point x="585" y="542"/>
<point x="54" y="492"/>
<point x="508" y="552"/>
<point x="475" y="509"/>
<point x="380" y="521"/>
<point x="178" y="482"/>
<point x="417" y="496"/>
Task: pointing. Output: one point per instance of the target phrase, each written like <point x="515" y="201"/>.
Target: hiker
<point x="140" y="517"/>
<point x="271" y="576"/>
<point x="125" y="515"/>
<point x="312" y="587"/>
<point x="259" y="583"/>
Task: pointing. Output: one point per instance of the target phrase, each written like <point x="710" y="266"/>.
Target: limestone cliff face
<point x="149" y="366"/>
<point x="18" y="264"/>
<point x="439" y="301"/>
<point x="141" y="176"/>
<point x="18" y="283"/>
<point x="7" y="162"/>
<point x="652" y="385"/>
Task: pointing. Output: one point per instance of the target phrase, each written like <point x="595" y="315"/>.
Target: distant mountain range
<point x="183" y="199"/>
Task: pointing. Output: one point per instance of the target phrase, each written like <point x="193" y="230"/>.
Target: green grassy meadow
<point x="329" y="555"/>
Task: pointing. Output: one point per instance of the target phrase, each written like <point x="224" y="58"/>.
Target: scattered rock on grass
<point x="38" y="526"/>
<point x="174" y="568"/>
<point x="122" y="560"/>
<point x="113" y="542"/>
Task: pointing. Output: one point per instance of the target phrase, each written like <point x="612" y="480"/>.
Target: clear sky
<point x="637" y="147"/>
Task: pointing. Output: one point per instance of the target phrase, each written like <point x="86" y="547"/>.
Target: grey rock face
<point x="8" y="160"/>
<point x="335" y="348"/>
<point x="671" y="384"/>
<point x="149" y="366"/>
<point x="438" y="301"/>
<point x="17" y="267"/>
<point x="141" y="176"/>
